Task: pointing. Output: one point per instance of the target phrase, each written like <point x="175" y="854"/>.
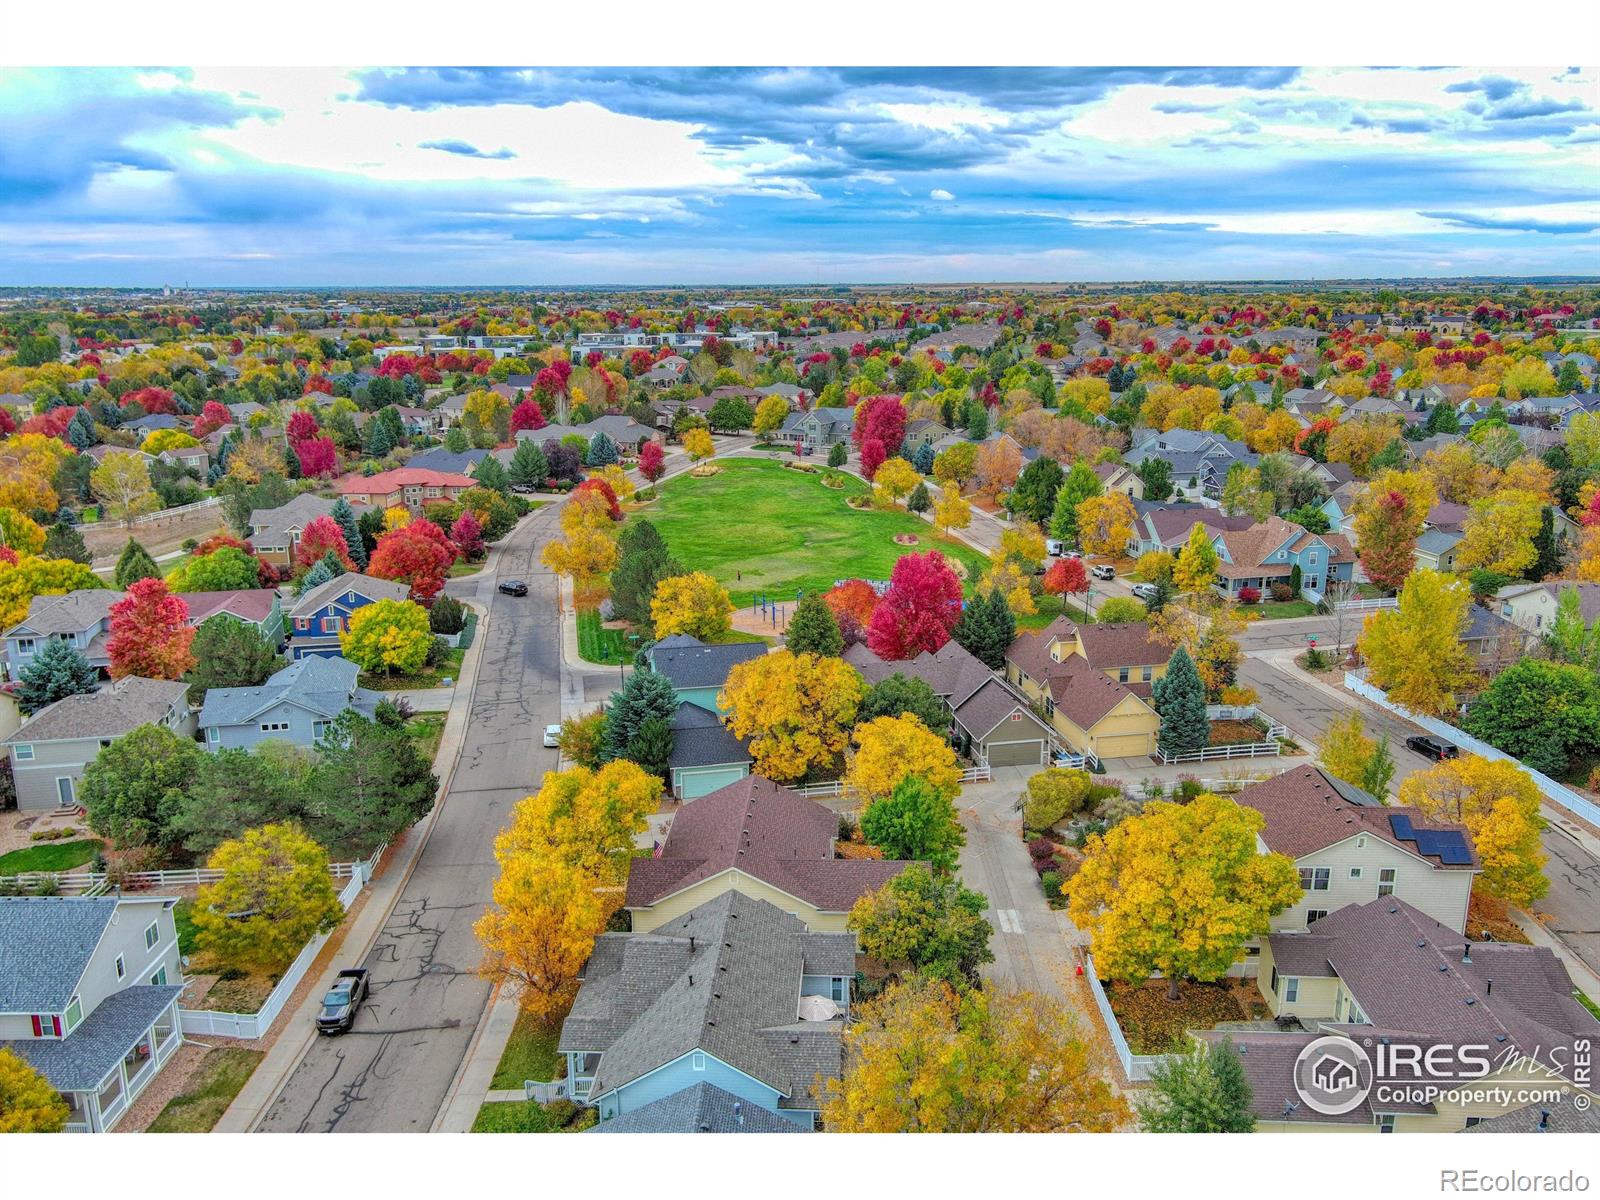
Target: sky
<point x="571" y="176"/>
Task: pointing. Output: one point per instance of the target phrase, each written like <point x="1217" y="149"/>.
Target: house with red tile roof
<point x="404" y="487"/>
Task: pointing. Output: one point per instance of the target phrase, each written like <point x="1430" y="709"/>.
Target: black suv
<point x="1432" y="748"/>
<point x="514" y="587"/>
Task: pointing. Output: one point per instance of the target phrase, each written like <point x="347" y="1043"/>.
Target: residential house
<point x="190" y="458"/>
<point x="146" y="425"/>
<point x="1093" y="683"/>
<point x="257" y="607"/>
<point x="451" y="462"/>
<point x="667" y="372"/>
<point x="705" y="754"/>
<point x="923" y="432"/>
<point x="1533" y="605"/>
<point x="698" y="1108"/>
<point x="1339" y="508"/>
<point x="1166" y="525"/>
<point x="1349" y="848"/>
<point x="1493" y="641"/>
<point x="296" y="705"/>
<point x="623" y="430"/>
<point x="1436" y="549"/>
<point x="275" y="532"/>
<point x="319" y="616"/>
<point x="1447" y="324"/>
<point x="1311" y="404"/>
<point x="50" y="750"/>
<point x="759" y="838"/>
<point x="1276" y="551"/>
<point x="1200" y="461"/>
<point x="698" y="670"/>
<point x="403" y="487"/>
<point x="817" y="428"/>
<point x="89" y="992"/>
<point x="1388" y="975"/>
<point x="82" y="618"/>
<point x="978" y="337"/>
<point x="1119" y="477"/>
<point x="735" y="993"/>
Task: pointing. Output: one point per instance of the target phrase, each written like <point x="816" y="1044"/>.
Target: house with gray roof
<point x="1199" y="461"/>
<point x="698" y="670"/>
<point x="817" y="428"/>
<point x="89" y="992"/>
<point x="735" y="993"/>
<point x="319" y="616"/>
<point x="699" y="1108"/>
<point x="81" y="618"/>
<point x="705" y="753"/>
<point x="50" y="750"/>
<point x="1534" y="605"/>
<point x="275" y="532"/>
<point x="296" y="705"/>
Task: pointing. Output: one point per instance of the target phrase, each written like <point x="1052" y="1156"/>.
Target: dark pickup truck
<point x="338" y="1012"/>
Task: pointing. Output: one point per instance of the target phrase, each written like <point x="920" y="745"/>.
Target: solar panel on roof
<point x="1400" y="823"/>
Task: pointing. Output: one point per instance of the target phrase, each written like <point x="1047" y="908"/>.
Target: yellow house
<point x="1455" y="1032"/>
<point x="760" y="839"/>
<point x="1093" y="684"/>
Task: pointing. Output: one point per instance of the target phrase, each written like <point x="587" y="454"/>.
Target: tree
<point x="1105" y="524"/>
<point x="987" y="628"/>
<point x="770" y="415"/>
<point x="919" y="610"/>
<point x="1066" y="577"/>
<point x="894" y="479"/>
<point x="1196" y="567"/>
<point x="274" y="896"/>
<point x="1543" y="713"/>
<point x="698" y="445"/>
<point x="955" y="466"/>
<point x="237" y="789"/>
<point x="150" y="634"/>
<point x="1034" y="496"/>
<point x="527" y="415"/>
<point x="1057" y="793"/>
<point x="64" y="541"/>
<point x="1243" y="495"/>
<point x="20" y="532"/>
<point x="1414" y="651"/>
<point x="229" y="653"/>
<point x="1346" y="748"/>
<point x="915" y="821"/>
<point x="796" y="709"/>
<point x="581" y="738"/>
<point x="1570" y="640"/>
<point x="58" y="670"/>
<point x="872" y="457"/>
<point x="643" y="562"/>
<point x="694" y="604"/>
<point x="1119" y="610"/>
<point x="585" y="557"/>
<point x="919" y="501"/>
<point x="371" y="784"/>
<point x="922" y="1058"/>
<point x="1388" y="518"/>
<point x="417" y="554"/>
<point x="1499" y="535"/>
<point x="27" y="577"/>
<point x="928" y="922"/>
<point x="951" y="512"/>
<point x="490" y="474"/>
<point x="388" y="636"/>
<point x="1079" y="484"/>
<point x="999" y="464"/>
<point x="135" y="787"/>
<point x="528" y="466"/>
<point x="1180" y="699"/>
<point x="1156" y="475"/>
<point x="28" y="1104"/>
<point x="837" y="455"/>
<point x="28" y="464"/>
<point x="646" y="695"/>
<point x="122" y="485"/>
<point x="134" y="564"/>
<point x="1203" y="1091"/>
<point x="730" y="414"/>
<point x="890" y="749"/>
<point x="652" y="461"/>
<point x="812" y="629"/>
<point x="1179" y="889"/>
<point x="880" y="419"/>
<point x="898" y="696"/>
<point x="1499" y="804"/>
<point x="225" y="569"/>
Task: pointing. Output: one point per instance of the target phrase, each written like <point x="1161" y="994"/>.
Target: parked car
<point x="1103" y="571"/>
<point x="338" y="1012"/>
<point x="1432" y="748"/>
<point x="1145" y="591"/>
<point x="552" y="736"/>
<point x="1054" y="548"/>
<point x="513" y="587"/>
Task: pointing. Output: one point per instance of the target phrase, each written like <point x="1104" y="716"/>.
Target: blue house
<point x="698" y="670"/>
<point x="705" y="755"/>
<point x="1278" y="551"/>
<point x="736" y="994"/>
<point x="318" y="617"/>
<point x="295" y="705"/>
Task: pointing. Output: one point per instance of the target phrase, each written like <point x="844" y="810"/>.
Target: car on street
<point x="1103" y="571"/>
<point x="552" y="736"/>
<point x="339" y="1005"/>
<point x="513" y="587"/>
<point x="1145" y="591"/>
<point x="1432" y="748"/>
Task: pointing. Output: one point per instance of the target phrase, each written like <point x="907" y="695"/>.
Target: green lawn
<point x="597" y="644"/>
<point x="525" y="1116"/>
<point x="428" y="677"/>
<point x="1270" y="610"/>
<point x="212" y="1087"/>
<point x="183" y="917"/>
<point x="759" y="527"/>
<point x="49" y="856"/>
<point x="428" y="730"/>
<point x="530" y="1053"/>
<point x="1050" y="607"/>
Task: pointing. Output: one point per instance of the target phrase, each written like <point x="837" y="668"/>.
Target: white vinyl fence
<point x="1138" y="1067"/>
<point x="1557" y="793"/>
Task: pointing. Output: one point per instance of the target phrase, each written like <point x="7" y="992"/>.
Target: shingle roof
<point x="450" y="461"/>
<point x="952" y="672"/>
<point x="70" y="613"/>
<point x="45" y="943"/>
<point x="252" y="604"/>
<point x="325" y="686"/>
<point x="700" y="1108"/>
<point x="1130" y="644"/>
<point x="1248" y="548"/>
<point x="691" y="663"/>
<point x="369" y="586"/>
<point x="1085" y="694"/>
<point x="116" y="709"/>
<point x="990" y="705"/>
<point x="268" y="524"/>
<point x="700" y="739"/>
<point x="769" y="833"/>
<point x="1560" y="1117"/>
<point x="400" y="477"/>
<point x="79" y="1061"/>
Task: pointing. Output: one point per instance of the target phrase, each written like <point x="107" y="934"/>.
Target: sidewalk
<point x="1583" y="977"/>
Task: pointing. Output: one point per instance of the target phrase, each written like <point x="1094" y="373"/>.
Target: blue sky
<point x="269" y="176"/>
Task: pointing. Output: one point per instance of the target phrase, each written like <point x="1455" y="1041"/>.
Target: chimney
<point x="691" y="943"/>
<point x="738" y="1112"/>
<point x="1544" y="1120"/>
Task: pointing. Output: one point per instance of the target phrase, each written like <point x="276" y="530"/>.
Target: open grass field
<point x="759" y="527"/>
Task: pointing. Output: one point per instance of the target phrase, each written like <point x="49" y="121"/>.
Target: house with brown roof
<point x="1093" y="684"/>
<point x="1452" y="1032"/>
<point x="1119" y="477"/>
<point x="1350" y="848"/>
<point x="1279" y="551"/>
<point x="758" y="838"/>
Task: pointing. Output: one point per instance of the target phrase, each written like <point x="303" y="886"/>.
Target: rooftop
<point x="116" y="709"/>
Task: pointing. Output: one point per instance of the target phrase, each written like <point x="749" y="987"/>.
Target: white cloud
<point x="940" y="194"/>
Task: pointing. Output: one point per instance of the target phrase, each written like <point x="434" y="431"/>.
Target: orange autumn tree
<point x="150" y="633"/>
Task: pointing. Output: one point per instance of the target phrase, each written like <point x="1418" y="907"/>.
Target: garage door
<point x="1136" y="745"/>
<point x="704" y="780"/>
<point x="1016" y="754"/>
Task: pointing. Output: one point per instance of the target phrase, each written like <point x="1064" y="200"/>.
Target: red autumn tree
<point x="527" y="415"/>
<point x="213" y="416"/>
<point x="318" y="458"/>
<point x="881" y="419"/>
<point x="418" y="555"/>
<point x="52" y="424"/>
<point x="604" y="488"/>
<point x="872" y="457"/>
<point x="1066" y="577"/>
<point x="1388" y="549"/>
<point x="152" y="400"/>
<point x="467" y="534"/>
<point x="301" y="427"/>
<point x="918" y="611"/>
<point x="321" y="535"/>
<point x="852" y="603"/>
<point x="150" y="633"/>
<point x="652" y="461"/>
<point x="217" y="541"/>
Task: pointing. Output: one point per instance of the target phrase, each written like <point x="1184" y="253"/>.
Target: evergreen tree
<point x="642" y="563"/>
<point x="390" y="416"/>
<point x="986" y="629"/>
<point x="370" y="524"/>
<point x="379" y="440"/>
<point x="602" y="451"/>
<point x="455" y="440"/>
<point x="1203" y="1091"/>
<point x="229" y="653"/>
<point x="64" y="541"/>
<point x="345" y="517"/>
<point x="318" y="575"/>
<point x="134" y="564"/>
<point x="59" y="669"/>
<point x="652" y="746"/>
<point x="646" y="694"/>
<point x="291" y="463"/>
<point x="1164" y="592"/>
<point x="1548" y="549"/>
<point x="491" y="473"/>
<point x="1180" y="699"/>
<point x="80" y="431"/>
<point x="977" y="421"/>
<point x="1156" y="475"/>
<point x="1078" y="485"/>
<point x="923" y="459"/>
<point x="919" y="501"/>
<point x="837" y="455"/>
<point x="528" y="467"/>
<point x="813" y="628"/>
<point x="1034" y="495"/>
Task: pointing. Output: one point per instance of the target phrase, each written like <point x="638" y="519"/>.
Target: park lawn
<point x="759" y="527"/>
<point x="219" y="1078"/>
<point x="49" y="856"/>
<point x="530" y="1053"/>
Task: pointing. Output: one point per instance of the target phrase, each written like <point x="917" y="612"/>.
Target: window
<point x="213" y="735"/>
<point x="46" y="1025"/>
<point x="1386" y="881"/>
<point x="152" y="935"/>
<point x="121" y="967"/>
<point x="319" y="729"/>
<point x="1146" y="673"/>
<point x="274" y="726"/>
<point x="1291" y="988"/>
<point x="1315" y="914"/>
<point x="1314" y="879"/>
<point x="159" y="979"/>
<point x="1123" y="674"/>
<point x="1471" y="1121"/>
<point x="698" y="1061"/>
<point x="1385" y="1122"/>
<point x="23" y="751"/>
<point x="74" y="1014"/>
<point x="24" y="645"/>
<point x="1355" y="872"/>
<point x="837" y="990"/>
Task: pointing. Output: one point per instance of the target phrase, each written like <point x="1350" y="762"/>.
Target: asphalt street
<point x="391" y="1072"/>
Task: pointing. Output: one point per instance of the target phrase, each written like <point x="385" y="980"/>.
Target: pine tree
<point x="319" y="574"/>
<point x="923" y="459"/>
<point x="1180" y="699"/>
<point x="345" y="517"/>
<point x="837" y="455"/>
<point x="1164" y="592"/>
<point x="652" y="746"/>
<point x="919" y="501"/>
<point x="455" y="440"/>
<point x="646" y="694"/>
<point x="643" y="562"/>
<point x="58" y="669"/>
<point x="977" y="421"/>
<point x="133" y="565"/>
<point x="602" y="451"/>
<point x="986" y="629"/>
<point x="528" y="467"/>
<point x="379" y="440"/>
<point x="1548" y="549"/>
<point x="813" y="628"/>
<point x="64" y="541"/>
<point x="80" y="430"/>
<point x="492" y="474"/>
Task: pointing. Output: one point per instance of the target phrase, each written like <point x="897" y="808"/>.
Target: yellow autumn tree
<point x="397" y="517"/>
<point x="698" y="444"/>
<point x="275" y="894"/>
<point x="695" y="604"/>
<point x="1414" y="651"/>
<point x="586" y="556"/>
<point x="1196" y="566"/>
<point x="1105" y="524"/>
<point x="770" y="415"/>
<point x="622" y="487"/>
<point x="1346" y="748"/>
<point x="28" y="466"/>
<point x="1499" y="534"/>
<point x="890" y="749"/>
<point x="1499" y="804"/>
<point x="951" y="511"/>
<point x="796" y="709"/>
<point x="21" y="532"/>
<point x="122" y="485"/>
<point x="28" y="1104"/>
<point x="894" y="479"/>
<point x="29" y="576"/>
<point x="1022" y="544"/>
<point x="388" y="636"/>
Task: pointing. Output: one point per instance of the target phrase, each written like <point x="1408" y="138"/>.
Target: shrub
<point x="1282" y="592"/>
<point x="1187" y="789"/>
<point x="1249" y="595"/>
<point x="847" y="828"/>
<point x="447" y="615"/>
<point x="1051" y="882"/>
<point x="438" y="652"/>
<point x="1239" y="696"/>
<point x="1041" y="850"/>
<point x="53" y="835"/>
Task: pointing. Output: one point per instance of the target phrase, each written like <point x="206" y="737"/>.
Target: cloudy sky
<point x="267" y="176"/>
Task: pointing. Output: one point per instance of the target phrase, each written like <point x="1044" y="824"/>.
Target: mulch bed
<point x="1155" y="1025"/>
<point x="1234" y="733"/>
<point x="1489" y="915"/>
